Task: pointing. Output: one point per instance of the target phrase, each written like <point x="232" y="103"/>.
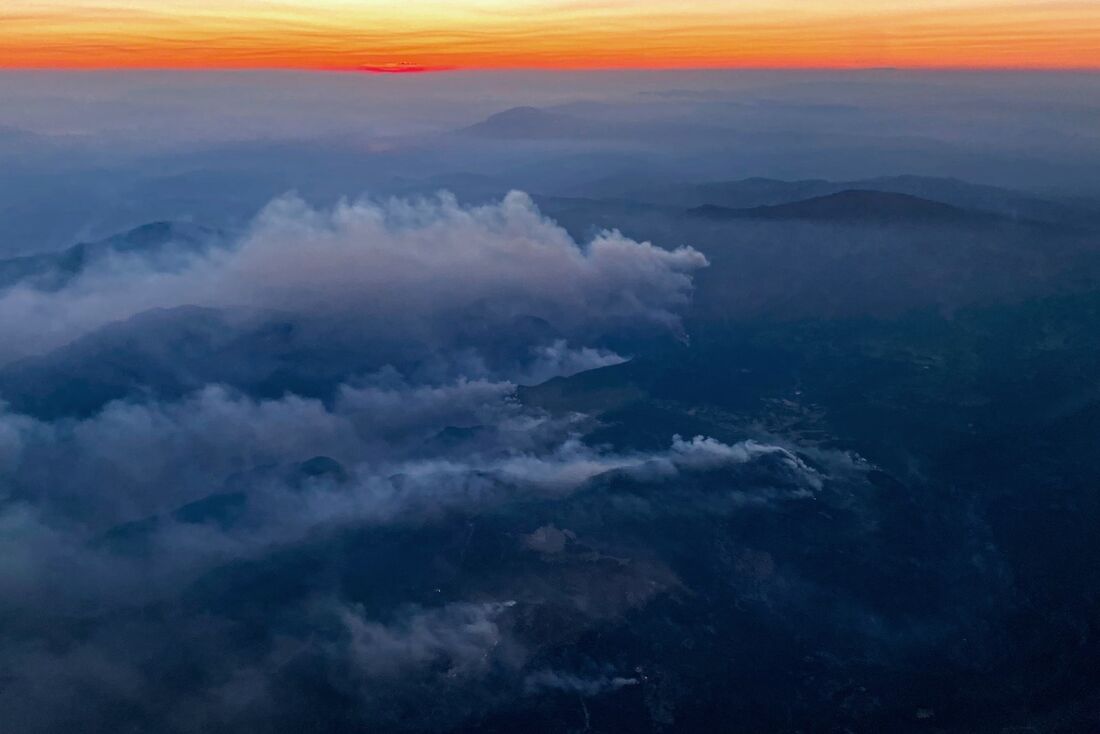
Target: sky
<point x="412" y="35"/>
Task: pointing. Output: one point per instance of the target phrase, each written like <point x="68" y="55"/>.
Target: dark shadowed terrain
<point x="772" y="405"/>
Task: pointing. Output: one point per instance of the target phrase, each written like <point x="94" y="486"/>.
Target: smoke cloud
<point x="159" y="515"/>
<point x="414" y="272"/>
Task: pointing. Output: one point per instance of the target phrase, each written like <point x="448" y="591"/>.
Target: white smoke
<point x="408" y="270"/>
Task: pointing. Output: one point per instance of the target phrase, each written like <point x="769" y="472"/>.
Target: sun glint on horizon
<point x="424" y="35"/>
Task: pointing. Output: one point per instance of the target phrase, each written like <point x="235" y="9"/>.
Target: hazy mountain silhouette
<point x="759" y="192"/>
<point x="855" y="206"/>
<point x="530" y="122"/>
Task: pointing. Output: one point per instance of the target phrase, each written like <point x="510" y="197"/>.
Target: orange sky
<point x="345" y="34"/>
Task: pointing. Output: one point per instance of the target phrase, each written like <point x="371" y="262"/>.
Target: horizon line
<point x="412" y="69"/>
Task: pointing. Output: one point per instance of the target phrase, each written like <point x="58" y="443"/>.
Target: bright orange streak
<point x="1005" y="34"/>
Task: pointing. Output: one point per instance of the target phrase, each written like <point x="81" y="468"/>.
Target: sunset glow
<point x="383" y="35"/>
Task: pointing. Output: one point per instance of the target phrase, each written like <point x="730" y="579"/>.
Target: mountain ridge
<point x="854" y="205"/>
<point x="53" y="270"/>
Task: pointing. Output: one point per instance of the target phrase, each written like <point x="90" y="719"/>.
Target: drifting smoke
<point x="569" y="683"/>
<point x="413" y="272"/>
<point x="146" y="501"/>
<point x="465" y="636"/>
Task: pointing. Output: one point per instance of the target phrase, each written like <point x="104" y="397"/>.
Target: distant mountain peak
<point x="528" y="122"/>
